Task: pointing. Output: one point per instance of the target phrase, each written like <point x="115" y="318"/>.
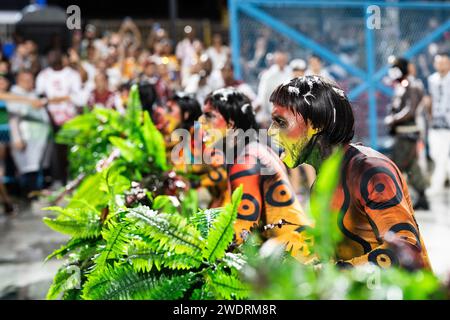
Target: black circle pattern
<point x="255" y="214"/>
<point x="271" y="196"/>
<point x="379" y="188"/>
<point x="380" y="255"/>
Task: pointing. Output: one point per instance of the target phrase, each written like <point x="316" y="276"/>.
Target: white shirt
<point x="439" y="88"/>
<point x="218" y="59"/>
<point x="57" y="84"/>
<point x="270" y="80"/>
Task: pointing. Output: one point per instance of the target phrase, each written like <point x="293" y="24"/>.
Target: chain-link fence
<point x="355" y="53"/>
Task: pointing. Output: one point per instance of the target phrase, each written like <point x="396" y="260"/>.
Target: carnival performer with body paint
<point x="269" y="203"/>
<point x="182" y="112"/>
<point x="312" y="117"/>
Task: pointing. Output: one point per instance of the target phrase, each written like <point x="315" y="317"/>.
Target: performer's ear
<point x="230" y="124"/>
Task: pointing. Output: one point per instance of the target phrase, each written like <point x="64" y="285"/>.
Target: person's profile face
<point x="173" y="116"/>
<point x="291" y="133"/>
<point x="214" y="125"/>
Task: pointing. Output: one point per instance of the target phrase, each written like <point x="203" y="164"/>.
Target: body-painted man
<point x="269" y="203"/>
<point x="182" y="112"/>
<point x="311" y="117"/>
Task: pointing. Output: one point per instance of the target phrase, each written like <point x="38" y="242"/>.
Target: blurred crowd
<point x="39" y="93"/>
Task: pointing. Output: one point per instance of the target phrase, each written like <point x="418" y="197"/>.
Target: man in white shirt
<point x="218" y="53"/>
<point x="439" y="134"/>
<point x="278" y="73"/>
<point x="62" y="86"/>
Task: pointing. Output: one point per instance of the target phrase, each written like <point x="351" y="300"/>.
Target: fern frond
<point x="222" y="231"/>
<point x="67" y="278"/>
<point x="76" y="222"/>
<point x="204" y="219"/>
<point x="234" y="261"/>
<point x="71" y="245"/>
<point x="115" y="235"/>
<point x="121" y="282"/>
<point x="227" y="286"/>
<point x="144" y="256"/>
<point x="202" y="293"/>
<point x="172" y="231"/>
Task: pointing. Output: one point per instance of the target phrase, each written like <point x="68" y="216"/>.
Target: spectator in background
<point x="218" y="52"/>
<point x="230" y="81"/>
<point x="278" y="73"/>
<point x="203" y="80"/>
<point x="29" y="131"/>
<point x="439" y="134"/>
<point x="4" y="196"/>
<point x="61" y="85"/>
<point x="298" y="67"/>
<point x="315" y="68"/>
<point x="186" y="51"/>
<point x="408" y="93"/>
<point x="101" y="96"/>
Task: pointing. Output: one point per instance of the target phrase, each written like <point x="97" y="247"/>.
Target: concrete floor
<point x="25" y="241"/>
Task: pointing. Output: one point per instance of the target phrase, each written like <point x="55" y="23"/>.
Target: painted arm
<point x="384" y="200"/>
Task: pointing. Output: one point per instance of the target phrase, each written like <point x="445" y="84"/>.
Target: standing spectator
<point x="218" y="52"/>
<point x="230" y="81"/>
<point x="298" y="67"/>
<point x="101" y="96"/>
<point x="316" y="68"/>
<point x="29" y="130"/>
<point x="278" y="73"/>
<point x="439" y="134"/>
<point x="186" y="52"/>
<point x="408" y="93"/>
<point x="4" y="196"/>
<point x="61" y="85"/>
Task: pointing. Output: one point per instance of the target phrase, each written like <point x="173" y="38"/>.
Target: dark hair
<point x="189" y="104"/>
<point x="148" y="95"/>
<point x="400" y="63"/>
<point x="235" y="106"/>
<point x="320" y="101"/>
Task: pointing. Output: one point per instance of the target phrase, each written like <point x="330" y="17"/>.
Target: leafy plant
<point x="142" y="253"/>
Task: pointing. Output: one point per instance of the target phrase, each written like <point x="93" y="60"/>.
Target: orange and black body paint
<point x="373" y="201"/>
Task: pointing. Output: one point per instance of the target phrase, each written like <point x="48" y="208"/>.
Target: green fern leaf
<point x="227" y="286"/>
<point x="73" y="244"/>
<point x="172" y="231"/>
<point x="121" y="282"/>
<point x="222" y="231"/>
<point x="67" y="278"/>
<point x="143" y="256"/>
<point x="116" y="237"/>
<point x="76" y="222"/>
<point x="203" y="220"/>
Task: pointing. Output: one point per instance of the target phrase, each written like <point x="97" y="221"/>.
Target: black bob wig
<point x="322" y="102"/>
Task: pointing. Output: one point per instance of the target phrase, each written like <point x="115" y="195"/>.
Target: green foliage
<point x="122" y="282"/>
<point x="327" y="234"/>
<point x="221" y="233"/>
<point x="94" y="135"/>
<point x="142" y="253"/>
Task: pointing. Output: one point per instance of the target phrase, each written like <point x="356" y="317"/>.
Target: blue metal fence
<point x="407" y="29"/>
